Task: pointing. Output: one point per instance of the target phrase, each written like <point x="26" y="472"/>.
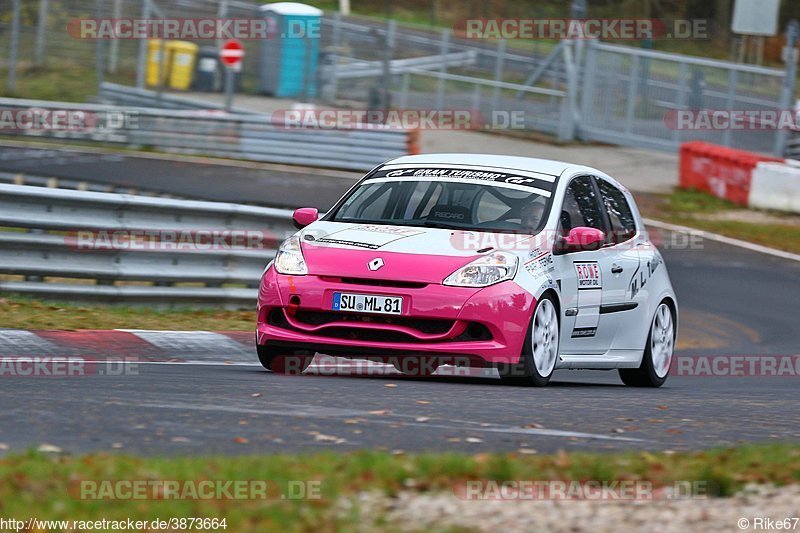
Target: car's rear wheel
<point x="657" y="357"/>
<point x="540" y="352"/>
<point x="283" y="361"/>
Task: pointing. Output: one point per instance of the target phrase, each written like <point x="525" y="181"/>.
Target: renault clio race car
<point x="526" y="265"/>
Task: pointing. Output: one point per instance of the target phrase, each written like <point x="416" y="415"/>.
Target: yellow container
<point x="177" y="69"/>
<point x="181" y="56"/>
<point x="154" y="62"/>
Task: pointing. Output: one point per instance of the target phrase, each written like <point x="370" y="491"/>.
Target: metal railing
<point x="134" y="249"/>
<point x="215" y="133"/>
<point x="123" y="95"/>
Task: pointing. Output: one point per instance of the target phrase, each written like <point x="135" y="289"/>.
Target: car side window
<point x="623" y="225"/>
<point x="581" y="206"/>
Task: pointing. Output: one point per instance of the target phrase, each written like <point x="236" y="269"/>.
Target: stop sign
<point x="231" y="53"/>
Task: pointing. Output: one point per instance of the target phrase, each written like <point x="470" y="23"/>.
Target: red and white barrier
<point x="776" y="186"/>
<point x="745" y="178"/>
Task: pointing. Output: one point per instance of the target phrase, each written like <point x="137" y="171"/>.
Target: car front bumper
<point x="486" y="325"/>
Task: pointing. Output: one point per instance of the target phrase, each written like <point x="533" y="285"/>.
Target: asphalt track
<point x="194" y="178"/>
<point x="733" y="302"/>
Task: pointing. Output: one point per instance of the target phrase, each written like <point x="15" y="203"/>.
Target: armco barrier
<point x="134" y="249"/>
<point x="723" y="172"/>
<point x="216" y="133"/>
<point x="776" y="186"/>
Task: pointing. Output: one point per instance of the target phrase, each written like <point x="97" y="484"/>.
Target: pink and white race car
<point x="526" y="265"/>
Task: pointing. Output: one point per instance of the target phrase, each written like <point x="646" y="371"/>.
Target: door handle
<point x="616" y="269"/>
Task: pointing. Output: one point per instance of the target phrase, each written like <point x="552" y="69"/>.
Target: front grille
<point x="429" y="326"/>
<point x="377" y="282"/>
<point x="373" y="335"/>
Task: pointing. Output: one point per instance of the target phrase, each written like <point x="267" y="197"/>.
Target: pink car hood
<point x="407" y="253"/>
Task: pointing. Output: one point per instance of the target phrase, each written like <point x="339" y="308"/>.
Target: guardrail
<point x="342" y="69"/>
<point x="134" y="249"/>
<point x="123" y="95"/>
<point x="216" y="133"/>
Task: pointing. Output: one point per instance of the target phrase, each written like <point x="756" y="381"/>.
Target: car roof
<point x="530" y="164"/>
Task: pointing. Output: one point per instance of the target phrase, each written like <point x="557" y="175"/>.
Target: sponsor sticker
<point x="588" y="275"/>
<point x="539" y="262"/>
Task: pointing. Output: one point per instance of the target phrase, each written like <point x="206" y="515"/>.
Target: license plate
<point x="367" y="303"/>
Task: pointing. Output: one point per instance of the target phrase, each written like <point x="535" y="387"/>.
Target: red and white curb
<point x="178" y="347"/>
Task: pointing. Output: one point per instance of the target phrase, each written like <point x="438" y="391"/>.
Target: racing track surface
<point x="733" y="302"/>
<point x="245" y="183"/>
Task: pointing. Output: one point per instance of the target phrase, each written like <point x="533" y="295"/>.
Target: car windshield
<point x="466" y="204"/>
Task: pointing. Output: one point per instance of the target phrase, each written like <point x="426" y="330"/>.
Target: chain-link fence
<point x="592" y="90"/>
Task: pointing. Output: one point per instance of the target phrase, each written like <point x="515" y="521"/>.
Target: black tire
<point x="282" y="362"/>
<point x="525" y="373"/>
<point x="645" y="375"/>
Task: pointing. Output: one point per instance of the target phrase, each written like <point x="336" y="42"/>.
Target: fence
<point x="213" y="133"/>
<point x="71" y="238"/>
<point x="628" y="95"/>
<point x="589" y="90"/>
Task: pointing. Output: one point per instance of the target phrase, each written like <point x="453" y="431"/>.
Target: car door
<point x="623" y="250"/>
<point x="582" y="273"/>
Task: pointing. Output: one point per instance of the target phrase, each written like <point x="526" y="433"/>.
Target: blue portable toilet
<point x="289" y="55"/>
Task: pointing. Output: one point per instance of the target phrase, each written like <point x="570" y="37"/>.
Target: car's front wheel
<point x="657" y="357"/>
<point x="283" y="362"/>
<point x="540" y="352"/>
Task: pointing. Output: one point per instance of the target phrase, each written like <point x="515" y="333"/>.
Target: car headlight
<point x="484" y="271"/>
<point x="289" y="259"/>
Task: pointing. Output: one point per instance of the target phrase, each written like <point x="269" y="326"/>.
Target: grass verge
<point x="705" y="212"/>
<point x="26" y="313"/>
<point x="46" y="486"/>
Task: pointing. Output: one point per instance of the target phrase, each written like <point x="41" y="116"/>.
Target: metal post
<point x="41" y="27"/>
<point x="733" y="78"/>
<point x="222" y="12"/>
<point x="100" y="47"/>
<point x="498" y="71"/>
<point x="13" y="48"/>
<point x="569" y="108"/>
<point x="113" y="55"/>
<point x="228" y="88"/>
<point x="632" y="90"/>
<point x="476" y="98"/>
<point x="681" y="103"/>
<point x="142" y="60"/>
<point x="440" y="87"/>
<point x="162" y="70"/>
<point x="388" y="52"/>
<point x="788" y="86"/>
<point x="404" y="90"/>
<point x="589" y="83"/>
<point x="336" y="41"/>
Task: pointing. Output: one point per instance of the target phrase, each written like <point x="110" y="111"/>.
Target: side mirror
<point x="304" y="216"/>
<point x="581" y="239"/>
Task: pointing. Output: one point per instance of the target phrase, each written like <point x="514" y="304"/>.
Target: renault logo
<point x="375" y="264"/>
